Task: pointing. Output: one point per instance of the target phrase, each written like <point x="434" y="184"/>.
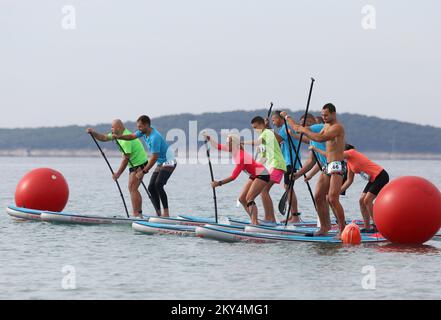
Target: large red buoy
<point x="408" y="210"/>
<point x="42" y="189"/>
<point x="351" y="234"/>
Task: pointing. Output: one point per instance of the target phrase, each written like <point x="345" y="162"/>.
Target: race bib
<point x="170" y="163"/>
<point x="335" y="167"/>
<point x="365" y="176"/>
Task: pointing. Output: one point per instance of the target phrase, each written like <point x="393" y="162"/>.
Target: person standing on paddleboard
<point x="259" y="175"/>
<point x="162" y="155"/>
<point x="331" y="179"/>
<point x="376" y="177"/>
<point x="275" y="163"/>
<point x="310" y="167"/>
<point x="134" y="156"/>
<point x="289" y="155"/>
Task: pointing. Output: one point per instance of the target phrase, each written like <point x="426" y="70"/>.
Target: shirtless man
<point x="331" y="180"/>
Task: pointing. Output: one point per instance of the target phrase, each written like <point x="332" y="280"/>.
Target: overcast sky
<point x="127" y="58"/>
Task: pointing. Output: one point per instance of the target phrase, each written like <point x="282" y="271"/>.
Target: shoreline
<point x="20" y="153"/>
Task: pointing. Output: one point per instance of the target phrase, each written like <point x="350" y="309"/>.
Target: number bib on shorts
<point x="170" y="163"/>
<point x="365" y="176"/>
<point x="336" y="167"/>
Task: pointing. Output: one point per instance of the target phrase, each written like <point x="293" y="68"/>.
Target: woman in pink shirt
<point x="375" y="176"/>
<point x="259" y="175"/>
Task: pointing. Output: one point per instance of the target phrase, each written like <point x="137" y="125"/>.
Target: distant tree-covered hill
<point x="369" y="134"/>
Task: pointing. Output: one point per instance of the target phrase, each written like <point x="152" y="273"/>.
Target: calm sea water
<point x="114" y="262"/>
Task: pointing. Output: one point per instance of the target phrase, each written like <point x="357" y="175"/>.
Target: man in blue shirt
<point x="289" y="155"/>
<point x="162" y="155"/>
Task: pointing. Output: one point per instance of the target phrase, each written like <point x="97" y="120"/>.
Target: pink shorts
<point x="276" y="175"/>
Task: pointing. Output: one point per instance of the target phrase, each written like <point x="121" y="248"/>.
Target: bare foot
<point x="270" y="218"/>
<point x="292" y="219"/>
<point x="321" y="232"/>
<point x="338" y="236"/>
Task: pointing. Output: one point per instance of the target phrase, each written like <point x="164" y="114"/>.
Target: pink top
<point x="244" y="162"/>
<point x="358" y="163"/>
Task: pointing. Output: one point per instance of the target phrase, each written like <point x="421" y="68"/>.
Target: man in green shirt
<point x="275" y="162"/>
<point x="134" y="156"/>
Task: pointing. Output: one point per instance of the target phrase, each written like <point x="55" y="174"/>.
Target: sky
<point x="90" y="61"/>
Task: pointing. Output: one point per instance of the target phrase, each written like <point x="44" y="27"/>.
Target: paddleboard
<point x="307" y="224"/>
<point x="23" y="213"/>
<point x="181" y="221"/>
<point x="289" y="230"/>
<point x="63" y="217"/>
<point x="231" y="236"/>
<point x="163" y="228"/>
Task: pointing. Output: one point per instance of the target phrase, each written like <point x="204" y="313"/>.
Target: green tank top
<point x="273" y="152"/>
<point x="138" y="156"/>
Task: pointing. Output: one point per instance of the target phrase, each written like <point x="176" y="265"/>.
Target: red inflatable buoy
<point x="42" y="189"/>
<point x="351" y="234"/>
<point x="408" y="210"/>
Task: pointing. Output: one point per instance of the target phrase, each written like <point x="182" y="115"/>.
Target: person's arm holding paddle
<point x="106" y="138"/>
<point x="311" y="174"/>
<point x="348" y="182"/>
<point x="322" y="136"/>
<point x="152" y="161"/>
<point x="214" y="143"/>
<point x="122" y="167"/>
<point x="292" y="123"/>
<point x="237" y="170"/>
<point x="140" y="174"/>
<point x="253" y="143"/>
<point x="100" y="137"/>
<point x="297" y="137"/>
<point x="127" y="137"/>
<point x="322" y="152"/>
<point x="307" y="166"/>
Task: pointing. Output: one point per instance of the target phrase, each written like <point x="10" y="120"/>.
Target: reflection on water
<point x="413" y="249"/>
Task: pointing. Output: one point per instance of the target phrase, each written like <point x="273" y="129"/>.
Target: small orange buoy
<point x="351" y="234"/>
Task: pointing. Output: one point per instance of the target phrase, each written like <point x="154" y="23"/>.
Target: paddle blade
<point x="283" y="204"/>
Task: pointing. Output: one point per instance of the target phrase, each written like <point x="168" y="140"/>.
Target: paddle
<point x="298" y="150"/>
<point x="212" y="179"/>
<point x="283" y="200"/>
<point x="269" y="114"/>
<point x="142" y="182"/>
<point x="111" y="170"/>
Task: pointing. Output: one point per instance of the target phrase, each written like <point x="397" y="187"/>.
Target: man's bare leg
<point x="135" y="195"/>
<point x="336" y="182"/>
<point x="321" y="191"/>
